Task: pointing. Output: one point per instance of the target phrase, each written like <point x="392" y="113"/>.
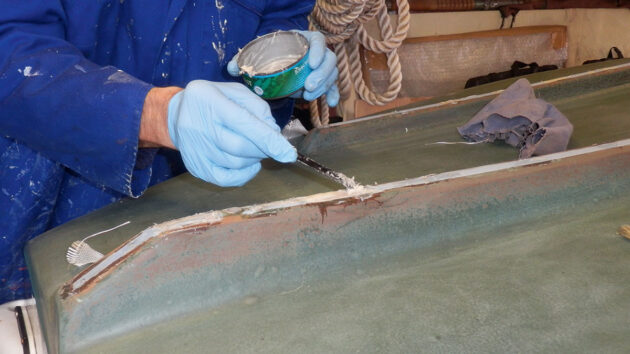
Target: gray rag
<point x="522" y="120"/>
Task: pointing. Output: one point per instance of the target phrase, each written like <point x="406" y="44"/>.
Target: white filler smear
<point x="97" y="271"/>
<point x="338" y="177"/>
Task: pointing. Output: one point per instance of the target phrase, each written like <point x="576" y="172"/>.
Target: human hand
<point x="322" y="61"/>
<point x="223" y="130"/>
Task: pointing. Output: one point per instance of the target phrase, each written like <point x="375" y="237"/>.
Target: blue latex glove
<point x="223" y="130"/>
<point x="324" y="64"/>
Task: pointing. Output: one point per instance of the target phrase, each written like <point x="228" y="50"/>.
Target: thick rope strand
<point x="342" y="22"/>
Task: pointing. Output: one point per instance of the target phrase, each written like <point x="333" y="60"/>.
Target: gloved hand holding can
<point x="296" y="64"/>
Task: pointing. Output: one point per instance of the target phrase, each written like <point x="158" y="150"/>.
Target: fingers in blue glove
<point x="220" y="103"/>
<point x="246" y="122"/>
<point x="220" y="140"/>
<point x="233" y="70"/>
<point x="232" y="67"/>
<point x="332" y="96"/>
<point x="320" y="74"/>
<point x="242" y="96"/>
<point x="269" y="141"/>
<point x="317" y="44"/>
<point x="233" y="144"/>
<point x="322" y="88"/>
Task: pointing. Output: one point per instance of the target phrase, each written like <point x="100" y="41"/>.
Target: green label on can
<point x="280" y="84"/>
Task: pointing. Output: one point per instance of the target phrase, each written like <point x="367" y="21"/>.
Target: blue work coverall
<point x="73" y="78"/>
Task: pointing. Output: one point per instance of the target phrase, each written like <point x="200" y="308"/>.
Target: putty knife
<point x="327" y="172"/>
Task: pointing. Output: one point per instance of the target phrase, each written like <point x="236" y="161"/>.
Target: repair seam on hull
<point x="128" y="248"/>
<point x="203" y="220"/>
<point x="480" y="96"/>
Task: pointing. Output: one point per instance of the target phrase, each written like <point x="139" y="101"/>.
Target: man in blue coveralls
<point x="89" y="90"/>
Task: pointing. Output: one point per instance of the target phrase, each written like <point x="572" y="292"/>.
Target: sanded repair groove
<point x="99" y="270"/>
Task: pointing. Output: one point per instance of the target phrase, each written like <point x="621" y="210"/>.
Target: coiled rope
<point x="341" y="21"/>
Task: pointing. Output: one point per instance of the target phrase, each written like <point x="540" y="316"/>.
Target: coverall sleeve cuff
<point x="126" y="168"/>
<point x="142" y="172"/>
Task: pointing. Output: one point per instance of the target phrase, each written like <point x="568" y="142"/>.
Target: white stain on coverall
<point x="220" y="49"/>
<point x="219" y="46"/>
<point x="28" y="71"/>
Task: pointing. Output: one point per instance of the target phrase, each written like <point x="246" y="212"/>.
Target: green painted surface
<point x="399" y="147"/>
<point x="555" y="283"/>
<point x="387" y="149"/>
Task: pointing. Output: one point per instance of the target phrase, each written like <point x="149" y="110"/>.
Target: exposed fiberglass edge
<point x="362" y="192"/>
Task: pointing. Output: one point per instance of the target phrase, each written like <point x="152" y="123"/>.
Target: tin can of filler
<point x="275" y="65"/>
